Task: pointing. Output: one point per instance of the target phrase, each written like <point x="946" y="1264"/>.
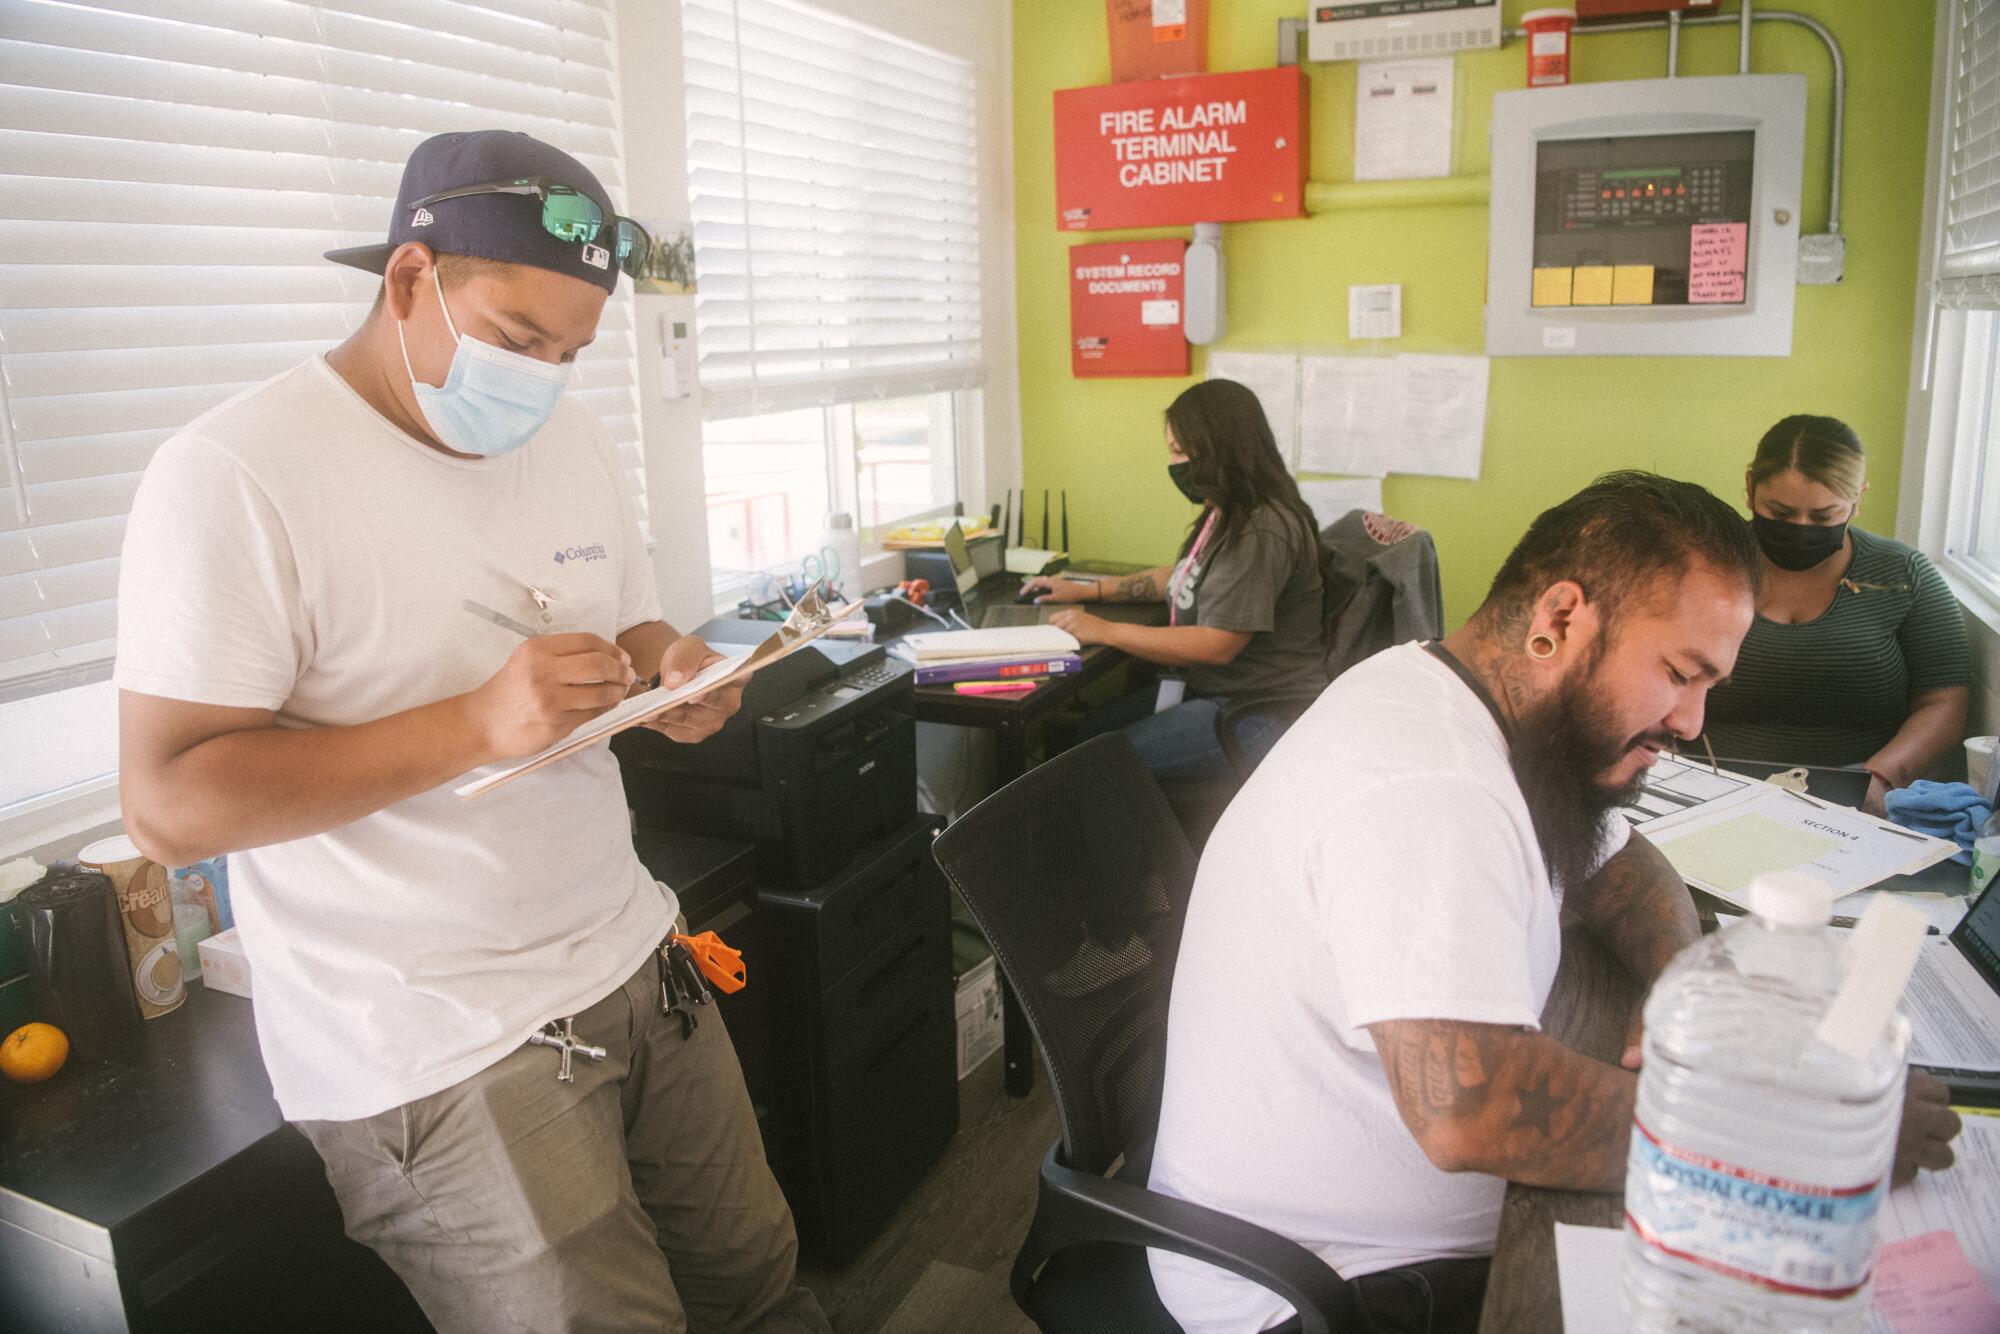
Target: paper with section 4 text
<point x="1729" y="844"/>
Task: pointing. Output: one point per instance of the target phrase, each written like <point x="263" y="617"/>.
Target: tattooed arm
<point x="1145" y="586"/>
<point x="1508" y="1102"/>
<point x="1638" y="906"/>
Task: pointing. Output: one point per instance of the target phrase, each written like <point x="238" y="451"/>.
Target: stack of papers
<point x="1722" y="830"/>
<point x="1001" y="653"/>
<point x="996" y="644"/>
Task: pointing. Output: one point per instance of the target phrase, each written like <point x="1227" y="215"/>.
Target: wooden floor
<point x="940" y="1266"/>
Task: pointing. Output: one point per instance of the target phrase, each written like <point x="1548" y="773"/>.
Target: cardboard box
<point x="978" y="1015"/>
<point x="223" y="965"/>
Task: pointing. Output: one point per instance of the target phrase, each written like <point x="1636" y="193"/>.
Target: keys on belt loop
<point x="682" y="990"/>
<point x="562" y="1036"/>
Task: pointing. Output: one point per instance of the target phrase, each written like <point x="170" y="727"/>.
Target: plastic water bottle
<point x="1760" y="1154"/>
<point x="1986" y="852"/>
<point x="845" y="543"/>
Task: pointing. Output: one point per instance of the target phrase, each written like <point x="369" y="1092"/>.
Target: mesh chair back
<point x="1079" y="875"/>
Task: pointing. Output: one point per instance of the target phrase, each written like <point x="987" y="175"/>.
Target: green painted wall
<point x="1552" y="424"/>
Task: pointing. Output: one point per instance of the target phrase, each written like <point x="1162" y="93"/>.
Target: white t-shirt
<point x="1380" y="864"/>
<point x="292" y="550"/>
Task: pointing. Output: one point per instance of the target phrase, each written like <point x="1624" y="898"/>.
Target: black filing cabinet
<point x="862" y="993"/>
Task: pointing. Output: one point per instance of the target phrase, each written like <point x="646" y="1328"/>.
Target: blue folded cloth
<point x="1942" y="810"/>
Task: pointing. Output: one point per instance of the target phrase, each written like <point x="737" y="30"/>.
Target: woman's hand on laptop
<point x="1053" y="588"/>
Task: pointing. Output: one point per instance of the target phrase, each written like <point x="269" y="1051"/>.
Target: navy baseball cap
<point x="504" y="227"/>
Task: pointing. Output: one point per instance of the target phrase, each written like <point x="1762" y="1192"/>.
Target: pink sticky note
<point x="1925" y="1285"/>
<point x="1718" y="255"/>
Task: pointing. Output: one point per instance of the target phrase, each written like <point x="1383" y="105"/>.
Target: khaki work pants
<point x="635" y="1198"/>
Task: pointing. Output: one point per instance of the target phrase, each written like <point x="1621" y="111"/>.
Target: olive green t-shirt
<point x="1266" y="584"/>
<point x="1835" y="689"/>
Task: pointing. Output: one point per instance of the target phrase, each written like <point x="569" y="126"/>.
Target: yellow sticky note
<point x="1593" y="285"/>
<point x="1552" y="287"/>
<point x="1632" y="285"/>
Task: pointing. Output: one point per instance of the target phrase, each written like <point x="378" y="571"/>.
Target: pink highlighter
<point x="995" y="687"/>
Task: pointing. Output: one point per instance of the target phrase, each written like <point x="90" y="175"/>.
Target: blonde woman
<point x="1858" y="655"/>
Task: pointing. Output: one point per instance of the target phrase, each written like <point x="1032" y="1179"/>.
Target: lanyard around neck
<point x="1186" y="571"/>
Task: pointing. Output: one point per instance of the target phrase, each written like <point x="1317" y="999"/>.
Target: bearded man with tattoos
<point x="1401" y="864"/>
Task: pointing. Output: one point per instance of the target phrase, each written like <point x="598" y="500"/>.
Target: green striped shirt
<point x="1834" y="690"/>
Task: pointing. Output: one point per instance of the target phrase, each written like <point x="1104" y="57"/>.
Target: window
<point x="772" y="478"/>
<point x="169" y="176"/>
<point x="1957" y="468"/>
<point x="834" y="193"/>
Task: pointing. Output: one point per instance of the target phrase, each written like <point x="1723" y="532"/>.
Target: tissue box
<point x="978" y="1016"/>
<point x="223" y="967"/>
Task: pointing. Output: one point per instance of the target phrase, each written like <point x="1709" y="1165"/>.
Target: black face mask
<point x="1179" y="472"/>
<point x="1797" y="546"/>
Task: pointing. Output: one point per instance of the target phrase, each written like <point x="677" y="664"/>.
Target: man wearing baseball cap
<point x="459" y="1001"/>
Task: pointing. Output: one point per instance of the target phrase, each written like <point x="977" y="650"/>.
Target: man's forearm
<point x="1639" y="907"/>
<point x="1508" y="1102"/>
<point x="265" y="785"/>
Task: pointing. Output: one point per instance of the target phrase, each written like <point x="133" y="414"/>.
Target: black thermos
<point x="76" y="947"/>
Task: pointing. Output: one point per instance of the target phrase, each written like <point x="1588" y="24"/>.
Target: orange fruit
<point x="33" y="1052"/>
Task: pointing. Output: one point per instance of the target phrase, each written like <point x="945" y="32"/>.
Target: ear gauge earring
<point x="1541" y="647"/>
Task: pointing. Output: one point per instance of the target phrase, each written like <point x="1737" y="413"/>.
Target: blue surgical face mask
<point x="492" y="401"/>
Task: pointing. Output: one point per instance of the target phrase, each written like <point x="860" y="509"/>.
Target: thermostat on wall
<point x="1379" y="29"/>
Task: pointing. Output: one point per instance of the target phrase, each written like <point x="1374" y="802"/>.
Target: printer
<point x="821" y="758"/>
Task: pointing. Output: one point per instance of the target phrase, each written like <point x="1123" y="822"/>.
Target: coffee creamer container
<point x="145" y="905"/>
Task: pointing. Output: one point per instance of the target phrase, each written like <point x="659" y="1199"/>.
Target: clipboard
<point x="810" y="619"/>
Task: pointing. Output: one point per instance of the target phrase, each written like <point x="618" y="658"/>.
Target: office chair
<point x="1086" y="930"/>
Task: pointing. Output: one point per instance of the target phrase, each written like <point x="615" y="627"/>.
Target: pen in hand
<point x="499" y="618"/>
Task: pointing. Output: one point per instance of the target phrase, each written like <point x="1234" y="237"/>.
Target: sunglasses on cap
<point x="567" y="216"/>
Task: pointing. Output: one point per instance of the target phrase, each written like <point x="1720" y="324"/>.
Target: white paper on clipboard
<point x="808" y="621"/>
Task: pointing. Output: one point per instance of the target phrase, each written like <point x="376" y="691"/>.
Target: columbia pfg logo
<point x="423" y="218"/>
<point x="593" y="552"/>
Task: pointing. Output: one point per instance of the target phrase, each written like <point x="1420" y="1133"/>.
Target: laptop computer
<point x="984" y="611"/>
<point x="1953" y="1002"/>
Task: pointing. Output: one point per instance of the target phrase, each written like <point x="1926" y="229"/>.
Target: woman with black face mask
<point x="1244" y="597"/>
<point x="1858" y="654"/>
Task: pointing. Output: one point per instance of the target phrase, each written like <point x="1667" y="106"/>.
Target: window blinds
<point x="170" y="172"/>
<point x="1968" y="265"/>
<point x="834" y="191"/>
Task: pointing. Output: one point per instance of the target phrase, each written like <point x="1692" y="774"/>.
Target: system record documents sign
<point x="1167" y="152"/>
<point x="1125" y="309"/>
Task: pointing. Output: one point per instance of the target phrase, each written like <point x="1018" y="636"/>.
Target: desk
<point x="1008" y="718"/>
<point x="163" y="1190"/>
<point x="1589" y="1006"/>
